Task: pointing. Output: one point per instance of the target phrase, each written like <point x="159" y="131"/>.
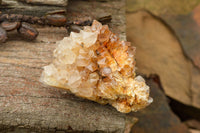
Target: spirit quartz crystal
<point x="96" y="65"/>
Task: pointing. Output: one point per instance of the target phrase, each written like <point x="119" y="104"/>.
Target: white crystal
<point x="92" y="67"/>
<point x="50" y="70"/>
<point x="75" y="76"/>
<point x="66" y="43"/>
<point x="93" y="78"/>
<point x="106" y="71"/>
<point x="96" y="65"/>
<point x="65" y="56"/>
<point x="89" y="38"/>
<point x="87" y="28"/>
<point x="76" y="37"/>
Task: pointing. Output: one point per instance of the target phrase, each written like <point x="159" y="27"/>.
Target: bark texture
<point x="31" y="7"/>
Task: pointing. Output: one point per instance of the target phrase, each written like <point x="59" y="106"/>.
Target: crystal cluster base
<point x="96" y="65"/>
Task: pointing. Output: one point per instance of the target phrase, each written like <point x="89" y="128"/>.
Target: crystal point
<point x="96" y="65"/>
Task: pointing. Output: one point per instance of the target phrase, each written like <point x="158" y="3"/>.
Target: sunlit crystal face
<point x="96" y="65"/>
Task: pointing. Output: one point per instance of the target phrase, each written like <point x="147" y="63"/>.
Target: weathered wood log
<point x="46" y="2"/>
<point x="33" y="7"/>
<point x="28" y="105"/>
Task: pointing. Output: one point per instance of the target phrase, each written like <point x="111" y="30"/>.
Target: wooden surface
<point x="31" y="7"/>
<point x="28" y="105"/>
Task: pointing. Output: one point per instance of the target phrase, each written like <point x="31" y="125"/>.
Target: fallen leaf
<point x="159" y="52"/>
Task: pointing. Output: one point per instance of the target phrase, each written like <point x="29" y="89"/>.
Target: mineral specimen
<point x="96" y="65"/>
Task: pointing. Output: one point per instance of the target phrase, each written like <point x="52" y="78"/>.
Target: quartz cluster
<point x="96" y="65"/>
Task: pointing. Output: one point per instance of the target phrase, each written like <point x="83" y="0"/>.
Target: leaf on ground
<point x="159" y="52"/>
